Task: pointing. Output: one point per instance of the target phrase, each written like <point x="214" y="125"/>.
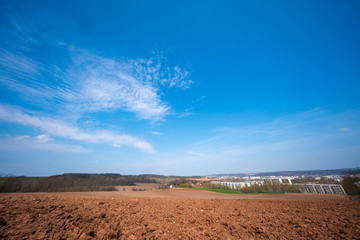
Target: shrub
<point x="348" y="183"/>
<point x="186" y="185"/>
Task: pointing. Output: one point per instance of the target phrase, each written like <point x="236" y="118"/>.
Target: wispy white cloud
<point x="31" y="80"/>
<point x="18" y="73"/>
<point x="38" y="143"/>
<point x="44" y="138"/>
<point x="18" y="64"/>
<point x="107" y="84"/>
<point x="186" y="113"/>
<point x="64" y="130"/>
<point x="154" y="71"/>
<point x="344" y="129"/>
<point x="199" y="100"/>
<point x="179" y="78"/>
<point x="197" y="154"/>
<point x="156" y="133"/>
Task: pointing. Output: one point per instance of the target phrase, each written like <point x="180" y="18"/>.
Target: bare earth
<point x="177" y="214"/>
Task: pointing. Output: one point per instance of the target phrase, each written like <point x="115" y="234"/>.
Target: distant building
<point x="254" y="181"/>
<point x="232" y="185"/>
<point x="278" y="180"/>
<point x="320" y="188"/>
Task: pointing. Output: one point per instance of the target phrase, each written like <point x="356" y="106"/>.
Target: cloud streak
<point x="64" y="130"/>
<point x="38" y="143"/>
<point x="197" y="154"/>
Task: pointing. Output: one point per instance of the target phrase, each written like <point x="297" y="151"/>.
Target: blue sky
<point x="178" y="87"/>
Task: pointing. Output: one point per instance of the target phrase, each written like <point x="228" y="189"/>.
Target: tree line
<point x="70" y="183"/>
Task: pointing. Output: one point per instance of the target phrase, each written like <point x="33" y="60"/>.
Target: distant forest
<point x="70" y="182"/>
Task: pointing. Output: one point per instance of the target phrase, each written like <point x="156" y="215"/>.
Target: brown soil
<point x="168" y="216"/>
<point x="151" y="191"/>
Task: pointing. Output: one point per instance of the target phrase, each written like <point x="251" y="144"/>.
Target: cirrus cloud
<point x="62" y="129"/>
<point x="38" y="143"/>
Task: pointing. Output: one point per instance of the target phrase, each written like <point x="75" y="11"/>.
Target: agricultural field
<point x="176" y="214"/>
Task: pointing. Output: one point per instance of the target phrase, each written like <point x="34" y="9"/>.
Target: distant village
<point x="314" y="182"/>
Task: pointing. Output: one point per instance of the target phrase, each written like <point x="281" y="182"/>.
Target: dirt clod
<point x="2" y="221"/>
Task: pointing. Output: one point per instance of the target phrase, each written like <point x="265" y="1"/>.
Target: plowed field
<point x="110" y="215"/>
